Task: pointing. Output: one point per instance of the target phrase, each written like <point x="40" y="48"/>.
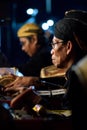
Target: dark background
<point x="13" y="14"/>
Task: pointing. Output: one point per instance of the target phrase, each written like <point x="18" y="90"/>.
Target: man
<point x="34" y="44"/>
<point x="67" y="50"/>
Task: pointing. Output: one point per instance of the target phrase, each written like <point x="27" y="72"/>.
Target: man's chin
<point x="55" y="64"/>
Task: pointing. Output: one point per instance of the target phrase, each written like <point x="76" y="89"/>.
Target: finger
<point x="9" y="85"/>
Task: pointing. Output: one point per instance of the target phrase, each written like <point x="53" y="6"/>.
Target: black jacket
<point x="41" y="59"/>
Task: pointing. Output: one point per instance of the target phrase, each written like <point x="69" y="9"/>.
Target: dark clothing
<point x="37" y="62"/>
<point x="6" y="119"/>
<point x="77" y="94"/>
<point x="3" y="60"/>
<point x="69" y="85"/>
<point x="66" y="104"/>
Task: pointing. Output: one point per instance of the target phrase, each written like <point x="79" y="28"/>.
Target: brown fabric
<point x="52" y="71"/>
<point x="7" y="75"/>
<point x="6" y="79"/>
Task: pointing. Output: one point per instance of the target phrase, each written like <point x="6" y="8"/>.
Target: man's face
<point x="29" y="46"/>
<point x="58" y="52"/>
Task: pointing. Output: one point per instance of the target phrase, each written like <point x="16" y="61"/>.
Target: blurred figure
<point x="77" y="94"/>
<point x="34" y="44"/>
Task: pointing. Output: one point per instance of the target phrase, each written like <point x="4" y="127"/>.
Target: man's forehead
<point x="56" y="39"/>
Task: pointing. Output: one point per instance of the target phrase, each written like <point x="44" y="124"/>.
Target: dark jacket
<point x="41" y="59"/>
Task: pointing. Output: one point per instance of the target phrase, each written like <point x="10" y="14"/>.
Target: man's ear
<point x="69" y="47"/>
<point x="34" y="39"/>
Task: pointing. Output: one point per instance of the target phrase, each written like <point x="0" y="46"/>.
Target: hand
<point x="26" y="99"/>
<point x="20" y="84"/>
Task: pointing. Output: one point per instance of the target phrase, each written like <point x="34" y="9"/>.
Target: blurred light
<point x="32" y="12"/>
<point x="50" y="22"/>
<point x="31" y="20"/>
<point x="29" y="11"/>
<point x="48" y="6"/>
<point x="45" y="26"/>
<point x="35" y="12"/>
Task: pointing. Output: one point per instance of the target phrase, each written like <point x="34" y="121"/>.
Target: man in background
<point x="35" y="45"/>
